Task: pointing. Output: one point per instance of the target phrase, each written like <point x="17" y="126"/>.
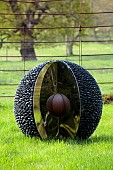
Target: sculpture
<point x="84" y="107"/>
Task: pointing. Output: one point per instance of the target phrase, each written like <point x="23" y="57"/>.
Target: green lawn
<point x="88" y="62"/>
<point x="18" y="152"/>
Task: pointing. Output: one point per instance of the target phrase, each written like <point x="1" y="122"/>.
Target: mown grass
<point x="19" y="152"/>
<point x="88" y="62"/>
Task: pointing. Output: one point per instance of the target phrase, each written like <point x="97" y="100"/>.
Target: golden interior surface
<point x="56" y="77"/>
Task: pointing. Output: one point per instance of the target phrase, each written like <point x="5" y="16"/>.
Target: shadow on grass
<point x="101" y="138"/>
<point x="69" y="141"/>
<point x="91" y="140"/>
<point x="95" y="139"/>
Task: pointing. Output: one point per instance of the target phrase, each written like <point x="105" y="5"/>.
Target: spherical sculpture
<point x="58" y="105"/>
<point x="44" y="89"/>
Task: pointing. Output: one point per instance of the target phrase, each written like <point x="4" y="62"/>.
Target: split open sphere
<point x="58" y="105"/>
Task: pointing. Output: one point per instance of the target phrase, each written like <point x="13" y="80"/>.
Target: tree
<point x="103" y="19"/>
<point x="5" y="22"/>
<point x="30" y="14"/>
<point x="69" y="19"/>
<point x="73" y="19"/>
<point x="27" y="14"/>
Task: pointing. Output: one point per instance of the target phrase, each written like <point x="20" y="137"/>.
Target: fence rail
<point x="81" y="56"/>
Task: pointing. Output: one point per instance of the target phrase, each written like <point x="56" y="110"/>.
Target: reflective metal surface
<point x="36" y="102"/>
<point x="56" y="77"/>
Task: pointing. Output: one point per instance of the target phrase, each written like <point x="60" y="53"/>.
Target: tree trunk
<point x="69" y="45"/>
<point x="27" y="49"/>
<point x="1" y="43"/>
<point x="69" y="49"/>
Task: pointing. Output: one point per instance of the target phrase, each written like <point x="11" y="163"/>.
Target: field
<point x="18" y="152"/>
<point x="88" y="62"/>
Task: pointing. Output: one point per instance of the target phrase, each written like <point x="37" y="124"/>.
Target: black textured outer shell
<point x="23" y="103"/>
<point x="91" y="101"/>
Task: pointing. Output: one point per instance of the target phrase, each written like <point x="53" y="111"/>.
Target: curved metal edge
<point x="76" y="118"/>
<point x="36" y="103"/>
